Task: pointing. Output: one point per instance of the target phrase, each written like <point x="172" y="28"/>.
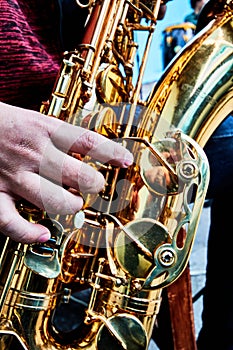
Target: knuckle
<point x="90" y="181"/>
<point x="67" y="204"/>
<point x="89" y="141"/>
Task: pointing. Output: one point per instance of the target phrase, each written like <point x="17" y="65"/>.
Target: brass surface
<point x="135" y="237"/>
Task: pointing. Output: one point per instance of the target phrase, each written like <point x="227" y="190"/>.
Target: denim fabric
<point x="219" y="151"/>
<point x="217" y="316"/>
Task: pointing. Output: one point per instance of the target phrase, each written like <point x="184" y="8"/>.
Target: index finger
<point x="70" y="138"/>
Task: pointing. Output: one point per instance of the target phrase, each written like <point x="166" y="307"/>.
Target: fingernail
<point x="44" y="237"/>
<point x="128" y="160"/>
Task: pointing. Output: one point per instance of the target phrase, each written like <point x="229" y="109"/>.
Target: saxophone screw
<point x="136" y="285"/>
<point x="167" y="257"/>
<point x="118" y="282"/>
<point x="188" y="170"/>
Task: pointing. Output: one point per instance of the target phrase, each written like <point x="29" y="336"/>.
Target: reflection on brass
<point x="97" y="283"/>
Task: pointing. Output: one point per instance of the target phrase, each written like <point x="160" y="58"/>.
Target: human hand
<point x="35" y="165"/>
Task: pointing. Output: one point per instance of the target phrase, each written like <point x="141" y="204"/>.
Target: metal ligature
<point x="110" y="261"/>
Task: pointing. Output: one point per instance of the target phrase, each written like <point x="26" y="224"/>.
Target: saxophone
<point x="109" y="263"/>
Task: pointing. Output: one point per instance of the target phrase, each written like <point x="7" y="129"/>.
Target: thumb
<point x="13" y="225"/>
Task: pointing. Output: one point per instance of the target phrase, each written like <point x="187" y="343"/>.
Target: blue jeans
<point x="219" y="151"/>
<point x="217" y="316"/>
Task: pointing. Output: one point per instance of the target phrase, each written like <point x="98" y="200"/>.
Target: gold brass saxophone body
<point x="135" y="237"/>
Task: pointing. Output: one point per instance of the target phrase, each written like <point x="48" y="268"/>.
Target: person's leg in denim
<point x="217" y="314"/>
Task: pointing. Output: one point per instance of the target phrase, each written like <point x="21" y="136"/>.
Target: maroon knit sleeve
<point x="29" y="51"/>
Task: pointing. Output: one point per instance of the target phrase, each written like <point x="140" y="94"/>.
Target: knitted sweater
<point x="30" y="51"/>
